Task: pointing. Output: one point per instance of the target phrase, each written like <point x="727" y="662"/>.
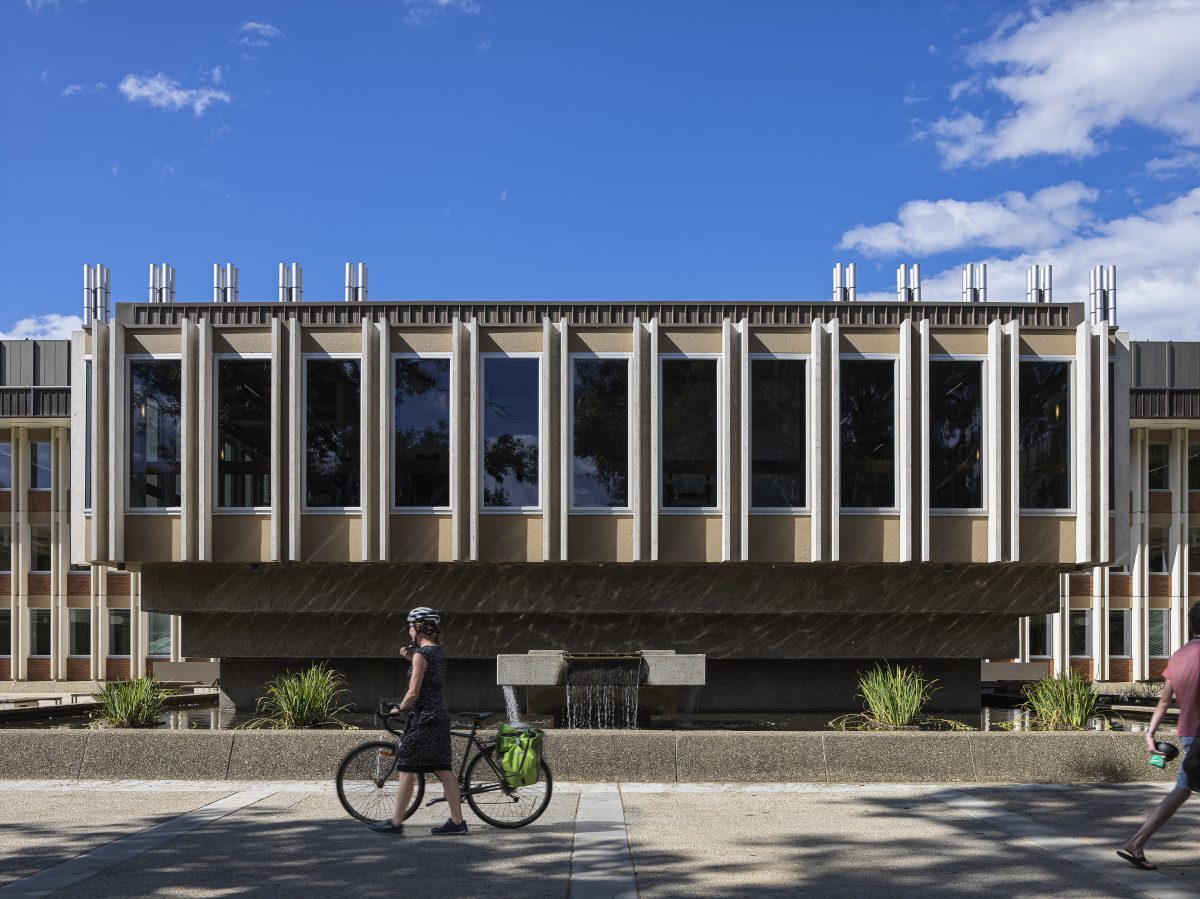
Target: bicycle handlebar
<point x="386" y="714"/>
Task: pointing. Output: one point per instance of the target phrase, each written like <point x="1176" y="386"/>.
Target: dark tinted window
<point x="689" y="433"/>
<point x="1045" y="435"/>
<point x="422" y="452"/>
<point x="154" y="452"/>
<point x="333" y="470"/>
<point x="40" y="464"/>
<point x="39" y="538"/>
<point x="39" y="632"/>
<point x="1193" y="466"/>
<point x="118" y="632"/>
<point x="1079" y="632"/>
<point x="1039" y="635"/>
<point x="243" y="433"/>
<point x="5" y="465"/>
<point x="868" y="417"/>
<point x="510" y="432"/>
<point x="5" y="632"/>
<point x="955" y="435"/>
<point x="5" y="547"/>
<point x="1118" y="632"/>
<point x="1159" y="466"/>
<point x="80" y="632"/>
<point x="600" y="433"/>
<point x="777" y="415"/>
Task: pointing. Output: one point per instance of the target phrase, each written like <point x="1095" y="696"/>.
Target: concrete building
<point x="789" y="488"/>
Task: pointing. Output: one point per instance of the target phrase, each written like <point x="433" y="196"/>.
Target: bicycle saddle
<point x="478" y="716"/>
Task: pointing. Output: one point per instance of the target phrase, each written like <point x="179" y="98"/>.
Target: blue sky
<point x="498" y="149"/>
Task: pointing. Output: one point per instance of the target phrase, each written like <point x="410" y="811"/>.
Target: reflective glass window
<point x="1159" y="549"/>
<point x="5" y="465"/>
<point x="511" y="432"/>
<point x="1079" y="633"/>
<point x="1159" y="466"/>
<point x="1158" y="637"/>
<point x="955" y="435"/>
<point x="39" y="558"/>
<point x="5" y="632"/>
<point x="1194" y="550"/>
<point x="154" y="431"/>
<point x="39" y="632"/>
<point x="1193" y="466"/>
<point x="40" y="462"/>
<point x="600" y="433"/>
<point x="689" y="433"/>
<point x="867" y="426"/>
<point x="5" y="547"/>
<point x="1045" y="434"/>
<point x="158" y="634"/>
<point x="1118" y="632"/>
<point x="777" y="439"/>
<point x="333" y="454"/>
<point x="243" y="433"/>
<point x="79" y="632"/>
<point x="422" y="452"/>
<point x="1039" y="636"/>
<point x="118" y="632"/>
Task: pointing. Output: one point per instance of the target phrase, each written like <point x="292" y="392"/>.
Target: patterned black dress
<point x="426" y="744"/>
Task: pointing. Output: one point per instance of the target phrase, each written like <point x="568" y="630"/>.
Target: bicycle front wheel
<point x="500" y="808"/>
<point x="367" y="782"/>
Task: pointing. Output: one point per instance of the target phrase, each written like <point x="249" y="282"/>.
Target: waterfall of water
<point x="510" y="705"/>
<point x="603" y="693"/>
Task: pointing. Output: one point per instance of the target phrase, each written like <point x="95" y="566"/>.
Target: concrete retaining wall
<point x="625" y="756"/>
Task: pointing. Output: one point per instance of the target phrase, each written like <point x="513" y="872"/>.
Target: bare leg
<point x="453" y="798"/>
<point x="403" y="795"/>
<point x="1160" y="816"/>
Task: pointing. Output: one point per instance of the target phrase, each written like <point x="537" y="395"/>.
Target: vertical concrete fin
<point x="816" y="441"/>
<point x="725" y="440"/>
<point x="297" y="374"/>
<point x="548" y="445"/>
<point x="1122" y="371"/>
<point x="655" y="441"/>
<point x="1177" y="542"/>
<point x="905" y="470"/>
<point x="1013" y="438"/>
<point x="205" y="438"/>
<point x="742" y="445"/>
<point x="1102" y="548"/>
<point x="637" y="437"/>
<point x="80" y="451"/>
<point x="188" y="448"/>
<point x="564" y="436"/>
<point x="476" y="377"/>
<point x="279" y="500"/>
<point x="1083" y="451"/>
<point x="994" y="458"/>
<point x="367" y="404"/>
<point x="386" y="426"/>
<point x="456" y="441"/>
<point x="835" y="441"/>
<point x="118" y="410"/>
<point x="923" y="511"/>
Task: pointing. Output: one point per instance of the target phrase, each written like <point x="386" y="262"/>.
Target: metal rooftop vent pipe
<point x="1103" y="294"/>
<point x="162" y="283"/>
<point x="1039" y="284"/>
<point x="356" y="282"/>
<point x="974" y="286"/>
<point x="908" y="283"/>
<point x="291" y="283"/>
<point x="845" y="289"/>
<point x="225" y="283"/>
<point x="96" y="291"/>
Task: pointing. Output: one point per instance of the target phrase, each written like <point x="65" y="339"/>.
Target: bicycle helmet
<point x="425" y="615"/>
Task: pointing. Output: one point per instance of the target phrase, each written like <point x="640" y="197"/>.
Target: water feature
<point x="602" y="690"/>
<point x="511" y="707"/>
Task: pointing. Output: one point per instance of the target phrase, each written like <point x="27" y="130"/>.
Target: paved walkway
<point x="207" y="839"/>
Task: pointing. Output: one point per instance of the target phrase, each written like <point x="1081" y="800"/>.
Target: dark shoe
<point x="386" y="827"/>
<point x="1138" y="861"/>
<point x="450" y="827"/>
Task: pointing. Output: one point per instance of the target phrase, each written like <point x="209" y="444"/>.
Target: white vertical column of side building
<point x="923" y="361"/>
<point x="1177" y="545"/>
<point x="835" y="441"/>
<point x="188" y="449"/>
<point x="386" y="417"/>
<point x="1122" y="371"/>
<point x="139" y="644"/>
<point x="564" y="437"/>
<point x="368" y="470"/>
<point x="205" y="441"/>
<point x="61" y="541"/>
<point x="745" y="447"/>
<point x="1102" y="552"/>
<point x="655" y="442"/>
<point x="816" y="430"/>
<point x="1084" y="457"/>
<point x="100" y="623"/>
<point x="637" y="383"/>
<point x="905" y="467"/>
<point x="296" y="438"/>
<point x="21" y="546"/>
<point x="725" y="438"/>
<point x="547" y="445"/>
<point x="456" y="507"/>
<point x="994" y="459"/>
<point x="118" y="409"/>
<point x="80" y="452"/>
<point x="474" y="455"/>
<point x="279" y="502"/>
<point x="100" y="449"/>
<point x="1061" y="628"/>
<point x="1100" y="644"/>
<point x="1138" y="553"/>
<point x="1012" y="439"/>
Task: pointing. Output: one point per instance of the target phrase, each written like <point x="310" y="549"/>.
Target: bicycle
<point x="367" y="779"/>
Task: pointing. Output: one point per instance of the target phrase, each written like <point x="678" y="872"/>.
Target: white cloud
<point x="36" y="6"/>
<point x="43" y="327"/>
<point x="162" y="92"/>
<point x="1009" y="221"/>
<point x="1076" y="73"/>
<point x="1185" y="161"/>
<point x="72" y="89"/>
<point x="262" y="29"/>
<point x="1158" y="270"/>
<point x="217" y="75"/>
<point x="115" y="169"/>
<point x="426" y="12"/>
<point x="503" y="195"/>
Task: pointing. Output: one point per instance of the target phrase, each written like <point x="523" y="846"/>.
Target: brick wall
<point x="38" y="669"/>
<point x="1082" y="666"/>
<point x="39" y="584"/>
<point x="1081" y="585"/>
<point x="1120" y="669"/>
<point x="1160" y="501"/>
<point x="5" y="500"/>
<point x="1194" y="501"/>
<point x="116" y="669"/>
<point x="5" y="669"/>
<point x="39" y="500"/>
<point x="1160" y="585"/>
<point x="79" y="669"/>
<point x="1120" y="585"/>
<point x="118" y="584"/>
<point x="1157" y="667"/>
<point x="79" y="585"/>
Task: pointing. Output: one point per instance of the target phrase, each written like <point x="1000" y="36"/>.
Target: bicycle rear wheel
<point x="367" y="782"/>
<point x="514" y="808"/>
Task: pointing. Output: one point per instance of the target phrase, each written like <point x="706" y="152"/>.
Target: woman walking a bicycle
<point x="425" y="748"/>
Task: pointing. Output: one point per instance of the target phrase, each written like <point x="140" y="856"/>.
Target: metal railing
<point x="35" y="402"/>
<point x="1164" y="402"/>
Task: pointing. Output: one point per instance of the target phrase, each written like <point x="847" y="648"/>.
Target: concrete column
<point x="117" y="469"/>
<point x="61" y="545"/>
<point x="79" y="455"/>
<point x="1011" y="451"/>
<point x="1139" y="581"/>
<point x="565" y="424"/>
<point x="835" y="441"/>
<point x="1084" y="456"/>
<point x="816" y="441"/>
<point x="923" y="505"/>
<point x="206" y="398"/>
<point x="138" y="625"/>
<point x="1023" y="640"/>
<point x="725" y="438"/>
<point x="639" y="379"/>
<point x="548" y="448"/>
<point x="386" y="422"/>
<point x="905" y="468"/>
<point x="21" y="550"/>
<point x="742" y="444"/>
<point x="1102" y="521"/>
<point x="655" y="441"/>
<point x="994" y="447"/>
<point x="476" y="399"/>
<point x="368" y="406"/>
<point x="295" y="503"/>
<point x="100" y="449"/>
<point x="280" y="499"/>
<point x="1058" y="634"/>
<point x="100" y="623"/>
<point x="1100" y="646"/>
<point x="457" y="528"/>
<point x="176" y="654"/>
<point x="1122" y="374"/>
<point x="1178" y="535"/>
<point x="189" y="447"/>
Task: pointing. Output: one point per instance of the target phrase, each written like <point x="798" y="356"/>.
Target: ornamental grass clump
<point x="1065" y="702"/>
<point x="894" y="697"/>
<point x="130" y="703"/>
<point x="301" y="699"/>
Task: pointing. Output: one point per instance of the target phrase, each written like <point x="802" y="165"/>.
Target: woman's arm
<point x="414" y="682"/>
<point x="1164" y="700"/>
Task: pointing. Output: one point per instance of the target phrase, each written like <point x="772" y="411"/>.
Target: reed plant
<point x="1063" y="702"/>
<point x="301" y="699"/>
<point x="130" y="703"/>
<point x="894" y="697"/>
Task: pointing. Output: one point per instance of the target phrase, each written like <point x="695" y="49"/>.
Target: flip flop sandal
<point x="1138" y="861"/>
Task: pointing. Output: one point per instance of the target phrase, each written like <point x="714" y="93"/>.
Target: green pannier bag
<point x="519" y="754"/>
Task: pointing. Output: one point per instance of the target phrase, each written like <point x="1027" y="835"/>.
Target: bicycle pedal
<point x="435" y="801"/>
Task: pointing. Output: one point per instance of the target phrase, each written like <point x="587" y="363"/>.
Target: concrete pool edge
<point x="607" y="756"/>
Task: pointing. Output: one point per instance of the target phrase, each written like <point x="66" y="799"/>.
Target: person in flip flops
<point x="1181" y="679"/>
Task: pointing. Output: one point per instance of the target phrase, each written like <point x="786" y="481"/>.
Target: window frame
<point x="70" y="630"/>
<point x="1072" y="370"/>
<point x="1087" y="637"/>
<point x="1166" y="444"/>
<point x="302" y="455"/>
<point x="748" y="466"/>
<point x="1168" y="548"/>
<point x="630" y="488"/>
<point x="481" y="472"/>
<point x="131" y="358"/>
<point x="11" y="531"/>
<point x="1128" y="614"/>
<point x="32" y="555"/>
<point x="1166" y="632"/>
<point x="894" y="358"/>
<point x="50" y="617"/>
<point x="33" y="464"/>
<point x="215" y="449"/>
<point x="660" y="503"/>
<point x="109" y="624"/>
<point x="454" y="428"/>
<point x="1049" y="637"/>
<point x="984" y="435"/>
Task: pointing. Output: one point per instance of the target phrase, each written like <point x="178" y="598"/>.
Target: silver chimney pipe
<point x="96" y="292"/>
<point x="162" y="283"/>
<point x="908" y="283"/>
<point x="1103" y="292"/>
<point x="974" y="283"/>
<point x="349" y="290"/>
<point x="838" y="284"/>
<point x="1038" y="284"/>
<point x="225" y="283"/>
<point x="845" y="288"/>
<point x="291" y="283"/>
<point x="362" y="282"/>
<point x="852" y="282"/>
